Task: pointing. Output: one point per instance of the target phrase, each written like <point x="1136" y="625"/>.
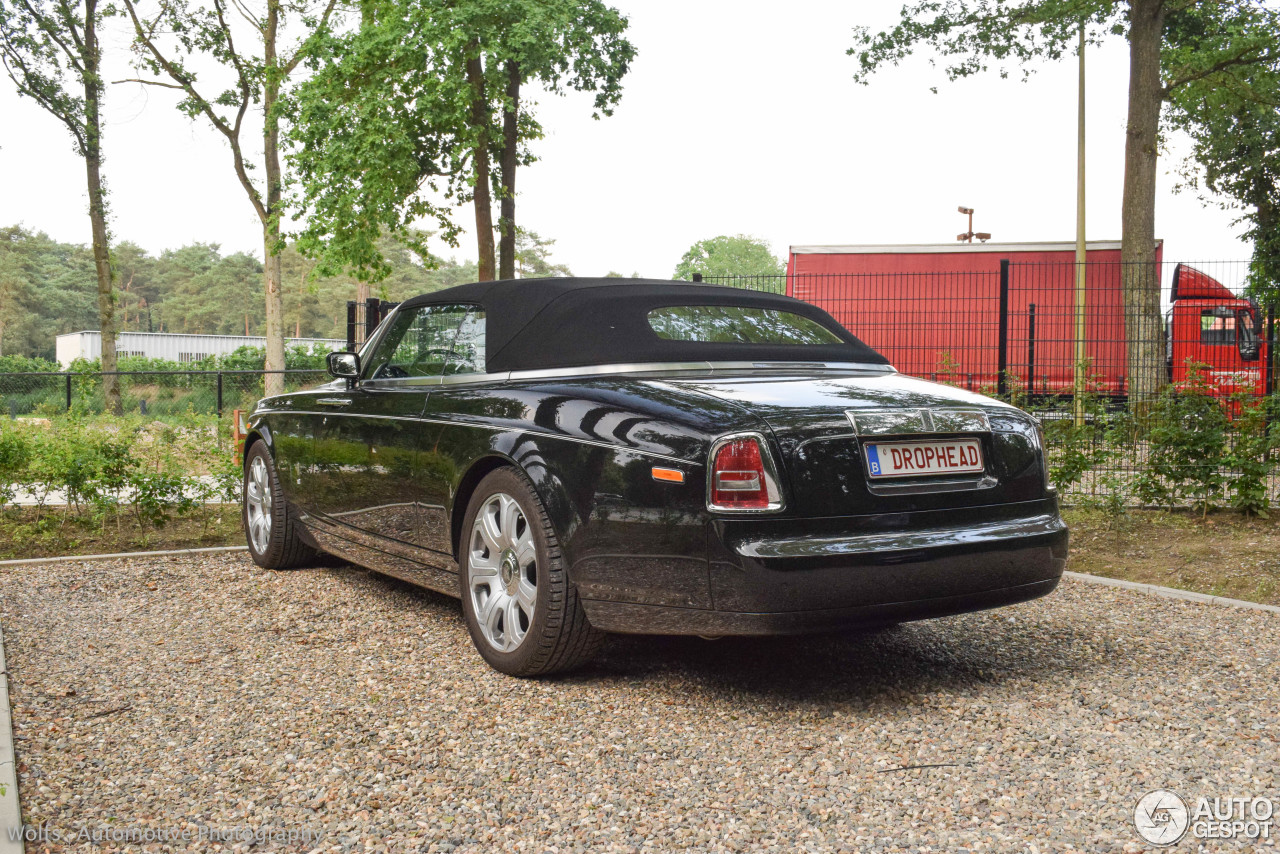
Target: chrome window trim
<point x="706" y="368"/>
<point x="709" y="368"/>
<point x="773" y="486"/>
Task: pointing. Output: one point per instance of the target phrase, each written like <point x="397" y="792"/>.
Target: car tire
<point x="523" y="612"/>
<point x="270" y="525"/>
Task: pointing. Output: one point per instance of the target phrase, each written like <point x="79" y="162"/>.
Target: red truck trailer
<point x="1002" y="315"/>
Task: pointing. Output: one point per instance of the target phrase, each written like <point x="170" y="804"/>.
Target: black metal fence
<point x="158" y="393"/>
<point x="1021" y="327"/>
<point x="1165" y="396"/>
<point x="1170" y="398"/>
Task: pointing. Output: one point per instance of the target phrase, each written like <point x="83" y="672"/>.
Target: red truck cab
<point x="1209" y="326"/>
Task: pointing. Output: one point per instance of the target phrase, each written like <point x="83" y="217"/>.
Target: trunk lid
<point x="824" y="424"/>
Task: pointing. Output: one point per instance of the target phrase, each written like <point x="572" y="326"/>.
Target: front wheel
<point x="523" y="614"/>
<point x="269" y="525"/>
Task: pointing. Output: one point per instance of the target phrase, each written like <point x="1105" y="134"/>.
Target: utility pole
<point x="1081" y="250"/>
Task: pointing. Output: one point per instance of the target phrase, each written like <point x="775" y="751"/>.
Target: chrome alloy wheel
<point x="502" y="572"/>
<point x="257" y="496"/>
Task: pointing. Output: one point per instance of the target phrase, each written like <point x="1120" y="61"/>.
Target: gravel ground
<point x="174" y="692"/>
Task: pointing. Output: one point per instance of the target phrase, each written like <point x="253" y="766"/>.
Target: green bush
<point x="1075" y="449"/>
<point x="106" y="467"/>
<point x="1250" y="459"/>
<point x="1187" y="430"/>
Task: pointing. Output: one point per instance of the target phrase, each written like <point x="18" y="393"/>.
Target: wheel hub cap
<point x="509" y="571"/>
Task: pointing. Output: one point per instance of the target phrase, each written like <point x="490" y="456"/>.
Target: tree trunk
<point x="510" y="157"/>
<point x="98" y="210"/>
<point x="482" y="198"/>
<point x="1140" y="276"/>
<point x="271" y="268"/>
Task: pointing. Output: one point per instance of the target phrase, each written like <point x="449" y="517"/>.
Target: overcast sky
<point x="737" y="117"/>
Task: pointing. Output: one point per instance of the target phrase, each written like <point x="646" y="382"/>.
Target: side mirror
<point x="343" y="365"/>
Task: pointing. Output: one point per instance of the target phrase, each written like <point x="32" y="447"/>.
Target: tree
<point x="1236" y="142"/>
<point x="171" y="33"/>
<point x="975" y="34"/>
<point x="51" y="52"/>
<point x="533" y="256"/>
<point x="726" y="256"/>
<point x="423" y="100"/>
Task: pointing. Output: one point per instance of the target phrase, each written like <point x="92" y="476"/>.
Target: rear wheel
<point x="269" y="524"/>
<point x="523" y="614"/>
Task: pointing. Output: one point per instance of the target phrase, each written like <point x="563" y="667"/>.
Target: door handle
<point x="334" y="401"/>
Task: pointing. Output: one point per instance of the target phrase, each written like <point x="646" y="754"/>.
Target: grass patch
<point x="23" y="535"/>
<point x="1223" y="554"/>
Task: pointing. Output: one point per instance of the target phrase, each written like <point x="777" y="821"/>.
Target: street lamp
<point x="969" y="235"/>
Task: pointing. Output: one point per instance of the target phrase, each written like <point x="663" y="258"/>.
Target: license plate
<point x="920" y="459"/>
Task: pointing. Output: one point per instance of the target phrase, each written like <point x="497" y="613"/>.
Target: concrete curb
<point x="10" y="811"/>
<point x="210" y="550"/>
<point x="1171" y="592"/>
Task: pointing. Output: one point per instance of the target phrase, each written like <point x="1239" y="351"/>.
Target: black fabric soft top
<point x="533" y="324"/>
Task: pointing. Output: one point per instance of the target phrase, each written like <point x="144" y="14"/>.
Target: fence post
<point x="1002" y="352"/>
<point x="372" y="316"/>
<point x="1031" y="349"/>
<point x="351" y="326"/>
<point x="1270" y="369"/>
<point x="219" y="394"/>
<point x="68" y="391"/>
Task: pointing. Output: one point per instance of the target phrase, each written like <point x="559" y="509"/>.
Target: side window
<point x="1218" y="326"/>
<point x="468" y="349"/>
<point x="418" y="343"/>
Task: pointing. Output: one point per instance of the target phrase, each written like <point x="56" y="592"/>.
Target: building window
<point x="192" y="357"/>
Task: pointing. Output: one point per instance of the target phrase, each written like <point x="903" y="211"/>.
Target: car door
<point x="468" y="411"/>
<point x="372" y="437"/>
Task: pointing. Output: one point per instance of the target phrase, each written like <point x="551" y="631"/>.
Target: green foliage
<point x="1251" y="457"/>
<point x="409" y="109"/>
<point x="1187" y="429"/>
<point x="47" y="289"/>
<point x="533" y="256"/>
<point x="728" y="256"/>
<point x="1075" y="449"/>
<point x="1233" y="121"/>
<point x="108" y="466"/>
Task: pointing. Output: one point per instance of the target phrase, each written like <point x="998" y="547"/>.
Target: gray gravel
<point x="202" y="691"/>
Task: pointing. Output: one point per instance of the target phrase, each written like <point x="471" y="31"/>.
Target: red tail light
<point x="742" y="476"/>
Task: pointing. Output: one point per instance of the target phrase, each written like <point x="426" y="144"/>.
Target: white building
<point x="176" y="347"/>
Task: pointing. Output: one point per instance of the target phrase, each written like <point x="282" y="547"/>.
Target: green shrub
<point x="1075" y="449"/>
<point x="108" y="466"/>
<point x="1187" y="429"/>
<point x="1250" y="457"/>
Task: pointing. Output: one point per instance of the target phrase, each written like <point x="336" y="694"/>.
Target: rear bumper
<point x="796" y="576"/>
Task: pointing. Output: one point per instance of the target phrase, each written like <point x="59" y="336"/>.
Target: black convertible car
<point x="578" y="456"/>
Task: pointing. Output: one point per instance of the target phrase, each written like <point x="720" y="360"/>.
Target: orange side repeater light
<point x="668" y="475"/>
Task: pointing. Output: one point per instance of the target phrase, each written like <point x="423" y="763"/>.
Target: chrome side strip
<point x="531" y="432"/>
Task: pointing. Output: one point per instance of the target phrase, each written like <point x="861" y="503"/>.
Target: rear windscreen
<point x="736" y="324"/>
